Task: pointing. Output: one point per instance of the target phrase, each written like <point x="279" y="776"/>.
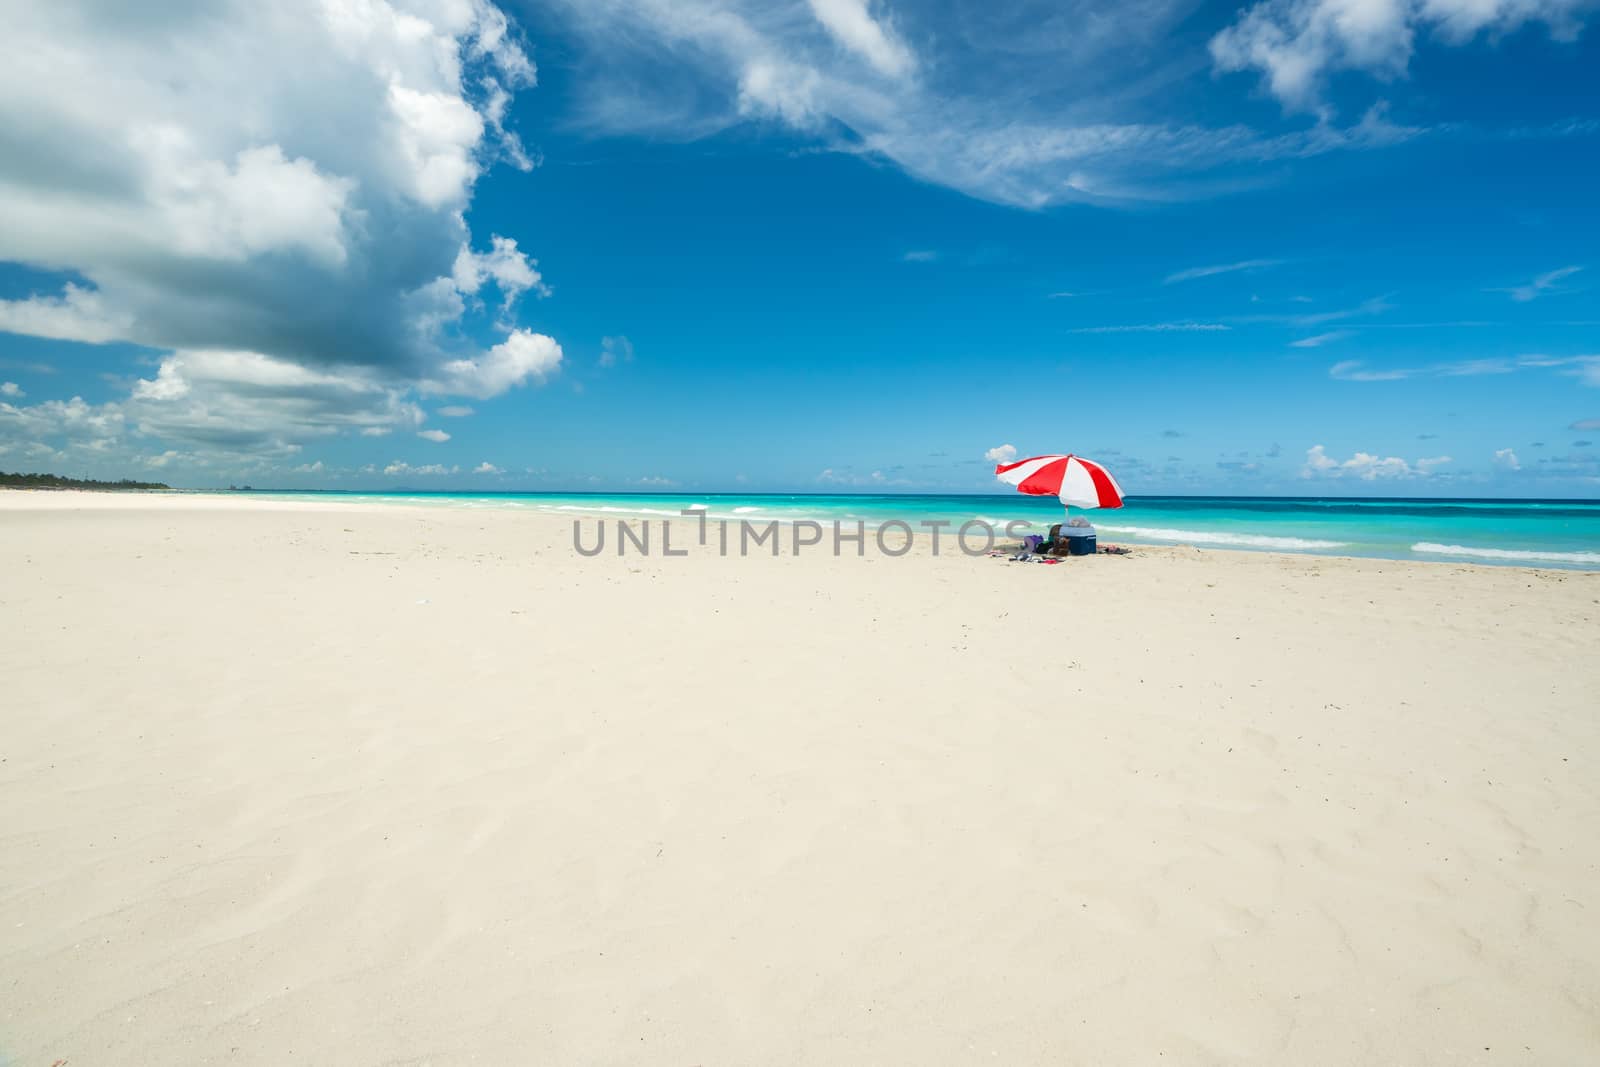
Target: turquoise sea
<point x="1548" y="533"/>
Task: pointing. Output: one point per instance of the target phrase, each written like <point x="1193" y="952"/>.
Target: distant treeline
<point x="55" y="481"/>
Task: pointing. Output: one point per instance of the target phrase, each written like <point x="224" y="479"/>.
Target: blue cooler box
<point x="1080" y="540"/>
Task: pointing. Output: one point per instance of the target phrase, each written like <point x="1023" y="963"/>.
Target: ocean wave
<point x="1526" y="555"/>
<point x="607" y="509"/>
<point x="745" y="511"/>
<point x="1217" y="537"/>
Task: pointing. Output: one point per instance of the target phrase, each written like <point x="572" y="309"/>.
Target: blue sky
<point x="1297" y="246"/>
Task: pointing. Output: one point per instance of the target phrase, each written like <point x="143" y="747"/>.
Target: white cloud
<point x="846" y="477"/>
<point x="1506" y="459"/>
<point x="1048" y="105"/>
<point x="11" y="389"/>
<point x="454" y="411"/>
<point x="309" y="468"/>
<point x="614" y="350"/>
<point x="1320" y="339"/>
<point x="510" y="270"/>
<point x="523" y="357"/>
<point x="1366" y="466"/>
<point x="242" y="406"/>
<point x="1157" y="327"/>
<point x="486" y="468"/>
<point x="853" y="26"/>
<point x="77" y="314"/>
<point x="920" y="255"/>
<point x="438" y="437"/>
<point x="1586" y="368"/>
<point x="434" y="469"/>
<point x="1544" y="283"/>
<point x="654" y="481"/>
<point x="274" y="195"/>
<point x="1001" y="454"/>
<point x="1297" y="44"/>
<point x="1227" y="268"/>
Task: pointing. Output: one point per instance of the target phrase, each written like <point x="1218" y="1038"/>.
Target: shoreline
<point x="212" y="500"/>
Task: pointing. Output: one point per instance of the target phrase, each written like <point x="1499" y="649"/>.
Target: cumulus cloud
<point x="11" y="389"/>
<point x="524" y="356"/>
<point x="438" y="437"/>
<point x="486" y="468"/>
<point x="1506" y="459"/>
<point x="1366" y="466"/>
<point x="1297" y="44"/>
<point x="1001" y="454"/>
<point x="211" y="401"/>
<point x="275" y="196"/>
<point x="614" y="350"/>
<point x="402" y="467"/>
<point x="75" y="314"/>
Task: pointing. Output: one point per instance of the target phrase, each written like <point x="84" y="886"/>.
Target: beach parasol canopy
<point x="1080" y="483"/>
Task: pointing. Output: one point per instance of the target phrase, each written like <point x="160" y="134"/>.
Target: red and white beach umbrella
<point x="1080" y="483"/>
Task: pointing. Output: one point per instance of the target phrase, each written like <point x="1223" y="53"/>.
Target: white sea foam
<point x="1529" y="556"/>
<point x="1217" y="537"/>
<point x="607" y="509"/>
<point x="745" y="511"/>
<point x="1000" y="525"/>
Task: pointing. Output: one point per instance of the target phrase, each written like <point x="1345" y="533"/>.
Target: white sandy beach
<point x="386" y="785"/>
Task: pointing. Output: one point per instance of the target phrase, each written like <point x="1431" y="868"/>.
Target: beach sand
<point x="343" y="784"/>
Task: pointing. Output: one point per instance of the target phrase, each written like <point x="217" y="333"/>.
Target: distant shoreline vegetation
<point x="56" y="481"/>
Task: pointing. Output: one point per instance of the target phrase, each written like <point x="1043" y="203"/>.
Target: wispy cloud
<point x="1376" y="305"/>
<point x="1226" y="268"/>
<point x="1586" y="368"/>
<point x="920" y="255"/>
<point x="1156" y="327"/>
<point x="1322" y="339"/>
<point x="1353" y="370"/>
<point x="1544" y="283"/>
<point x="614" y="350"/>
<point x="955" y="103"/>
